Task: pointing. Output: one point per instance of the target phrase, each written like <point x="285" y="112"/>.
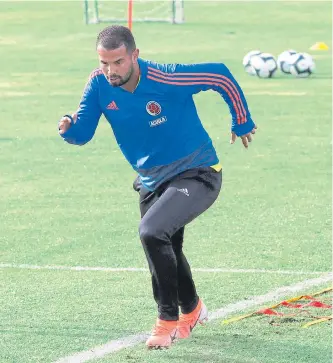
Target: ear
<point x="135" y="54"/>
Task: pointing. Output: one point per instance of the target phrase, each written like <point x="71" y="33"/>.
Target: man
<point x="152" y="113"/>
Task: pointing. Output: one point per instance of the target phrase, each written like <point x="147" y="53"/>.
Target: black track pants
<point x="164" y="214"/>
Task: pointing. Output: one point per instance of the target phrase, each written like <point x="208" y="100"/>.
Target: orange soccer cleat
<point x="187" y="322"/>
<point x="162" y="335"/>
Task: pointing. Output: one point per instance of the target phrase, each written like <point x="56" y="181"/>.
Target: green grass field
<point x="70" y="206"/>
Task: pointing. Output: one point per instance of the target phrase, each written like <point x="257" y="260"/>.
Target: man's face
<point x="117" y="64"/>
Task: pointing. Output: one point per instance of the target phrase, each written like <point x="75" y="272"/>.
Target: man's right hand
<point x="65" y="123"/>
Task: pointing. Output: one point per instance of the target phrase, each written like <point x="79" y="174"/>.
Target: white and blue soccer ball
<point x="247" y="62"/>
<point x="284" y="59"/>
<point x="264" y="65"/>
<point x="302" y="65"/>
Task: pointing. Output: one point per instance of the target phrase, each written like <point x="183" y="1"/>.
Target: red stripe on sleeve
<point x="239" y="105"/>
<point x="215" y="76"/>
<point x="240" y="118"/>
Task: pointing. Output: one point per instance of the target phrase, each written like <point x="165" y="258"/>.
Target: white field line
<point x="139" y="269"/>
<point x="132" y="340"/>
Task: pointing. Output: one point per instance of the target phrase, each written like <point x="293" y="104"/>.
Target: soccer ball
<point x="283" y="60"/>
<point x="301" y="65"/>
<point x="247" y="62"/>
<point x="264" y="65"/>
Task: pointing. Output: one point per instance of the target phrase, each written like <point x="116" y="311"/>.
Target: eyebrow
<point x="117" y="60"/>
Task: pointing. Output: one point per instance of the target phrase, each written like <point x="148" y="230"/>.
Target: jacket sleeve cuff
<point x="69" y="133"/>
<point x="242" y="129"/>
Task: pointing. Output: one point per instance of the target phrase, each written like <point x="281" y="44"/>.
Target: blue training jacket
<point x="157" y="126"/>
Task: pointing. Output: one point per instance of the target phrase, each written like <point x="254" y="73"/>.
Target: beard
<point x="117" y="81"/>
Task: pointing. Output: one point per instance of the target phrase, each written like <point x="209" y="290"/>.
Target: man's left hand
<point x="245" y="138"/>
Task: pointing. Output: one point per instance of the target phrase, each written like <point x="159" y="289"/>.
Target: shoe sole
<point x="161" y="347"/>
<point x="157" y="347"/>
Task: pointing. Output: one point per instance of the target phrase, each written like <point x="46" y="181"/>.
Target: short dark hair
<point x="114" y="36"/>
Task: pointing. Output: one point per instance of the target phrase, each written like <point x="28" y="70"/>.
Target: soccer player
<point x="152" y="114"/>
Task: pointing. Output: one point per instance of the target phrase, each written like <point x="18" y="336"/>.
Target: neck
<point x="132" y="83"/>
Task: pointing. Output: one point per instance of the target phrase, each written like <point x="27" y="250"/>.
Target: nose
<point x="112" y="70"/>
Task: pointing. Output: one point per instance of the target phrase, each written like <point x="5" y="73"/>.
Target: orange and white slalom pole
<point x="130" y="14"/>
